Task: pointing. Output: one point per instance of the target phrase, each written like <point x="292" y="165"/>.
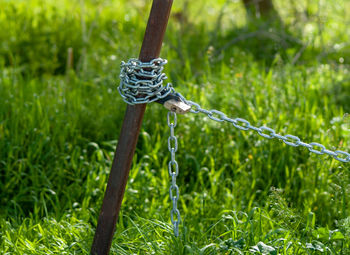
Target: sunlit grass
<point x="240" y="193"/>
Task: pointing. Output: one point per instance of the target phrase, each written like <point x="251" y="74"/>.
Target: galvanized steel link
<point x="173" y="169"/>
<point x="142" y="82"/>
<point x="268" y="133"/>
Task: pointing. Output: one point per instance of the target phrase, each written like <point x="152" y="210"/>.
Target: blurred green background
<point x="240" y="194"/>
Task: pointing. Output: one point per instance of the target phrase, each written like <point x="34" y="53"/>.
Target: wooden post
<point x="118" y="177"/>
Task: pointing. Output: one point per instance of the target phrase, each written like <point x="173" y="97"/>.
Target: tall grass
<point x="240" y="193"/>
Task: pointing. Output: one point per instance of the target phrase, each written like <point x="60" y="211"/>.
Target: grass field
<point x="239" y="193"/>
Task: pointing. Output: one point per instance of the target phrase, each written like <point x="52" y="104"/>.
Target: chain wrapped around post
<point x="173" y="168"/>
<point x="142" y="82"/>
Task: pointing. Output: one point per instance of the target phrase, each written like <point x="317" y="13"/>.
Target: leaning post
<point x="151" y="46"/>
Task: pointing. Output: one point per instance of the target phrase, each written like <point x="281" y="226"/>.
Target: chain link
<point x="173" y="168"/>
<point x="268" y="133"/>
<point x="142" y="82"/>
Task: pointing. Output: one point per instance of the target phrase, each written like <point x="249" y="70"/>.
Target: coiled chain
<point x="173" y="168"/>
<point x="142" y="82"/>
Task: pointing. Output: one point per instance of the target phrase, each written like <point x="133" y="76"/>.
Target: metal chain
<point x="142" y="82"/>
<point x="268" y="133"/>
<point x="173" y="168"/>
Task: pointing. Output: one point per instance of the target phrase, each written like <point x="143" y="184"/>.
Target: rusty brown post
<point x="152" y="43"/>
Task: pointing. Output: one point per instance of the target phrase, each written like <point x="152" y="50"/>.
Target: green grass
<point x="240" y="193"/>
